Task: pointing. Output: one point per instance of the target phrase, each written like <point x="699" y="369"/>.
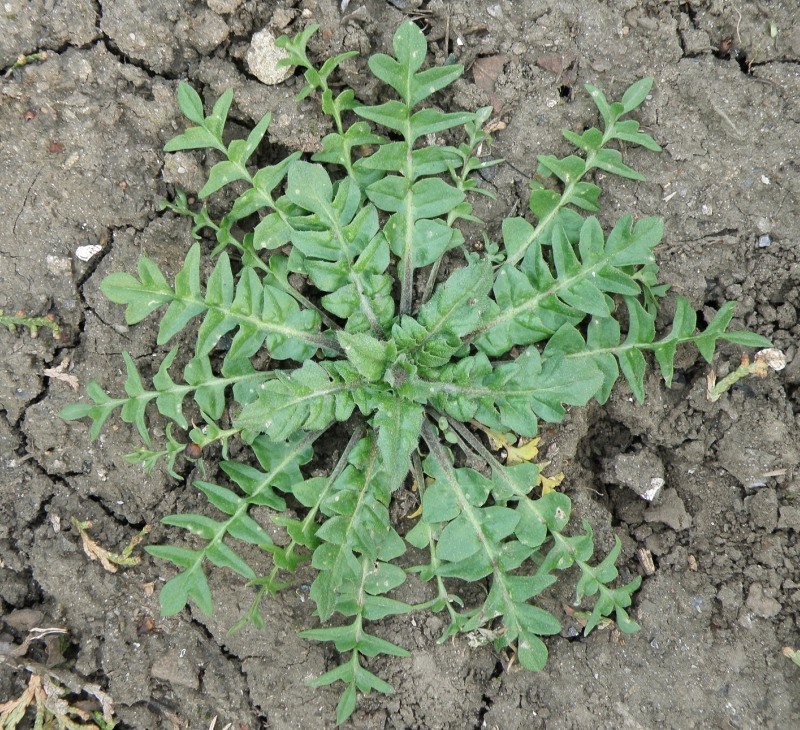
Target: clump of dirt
<point x="83" y="132"/>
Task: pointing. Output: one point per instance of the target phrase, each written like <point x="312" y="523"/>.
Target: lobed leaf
<point x="308" y="398"/>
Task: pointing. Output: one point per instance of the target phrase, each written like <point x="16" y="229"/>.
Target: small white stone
<point x="262" y="59"/>
<point x="773" y="357"/>
<point x="656" y="484"/>
<point x="85" y="253"/>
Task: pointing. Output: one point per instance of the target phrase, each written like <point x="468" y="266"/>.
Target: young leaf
<point x="636" y="93"/>
<point x="190" y="103"/>
<point x="309" y="398"/>
<point x="398" y="422"/>
<point x="368" y="355"/>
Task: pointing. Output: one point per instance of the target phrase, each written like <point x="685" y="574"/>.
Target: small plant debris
<point x="109" y="560"/>
<point x="55" y="698"/>
<point x="764" y="361"/>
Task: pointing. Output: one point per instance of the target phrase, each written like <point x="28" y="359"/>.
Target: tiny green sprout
<point x="21" y="319"/>
<point x="792" y="654"/>
<point x="361" y="303"/>
<point x="24" y="60"/>
<point x="764" y="361"/>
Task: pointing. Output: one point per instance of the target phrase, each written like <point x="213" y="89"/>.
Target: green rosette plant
<point x="345" y="298"/>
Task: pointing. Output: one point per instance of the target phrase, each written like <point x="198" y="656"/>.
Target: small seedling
<point x="23" y="60"/>
<point x="764" y="361"/>
<point x="21" y="319"/>
<point x="792" y="654"/>
<point x="406" y="341"/>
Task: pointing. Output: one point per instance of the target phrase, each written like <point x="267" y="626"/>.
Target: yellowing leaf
<point x="497" y="439"/>
<point x="549" y="484"/>
<point x="522" y="454"/>
<point x="516" y="453"/>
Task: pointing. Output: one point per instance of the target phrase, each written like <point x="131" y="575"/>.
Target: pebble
<point x="224" y="7"/>
<point x="769" y="551"/>
<point x="761" y="604"/>
<point x="176" y="669"/>
<point x="643" y="472"/>
<point x="789" y="519"/>
<point x="650" y="24"/>
<point x="262" y="59"/>
<point x="730" y="597"/>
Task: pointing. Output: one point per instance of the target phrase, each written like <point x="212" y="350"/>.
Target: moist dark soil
<point x="81" y="134"/>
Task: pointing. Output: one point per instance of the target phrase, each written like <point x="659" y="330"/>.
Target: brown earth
<point x="81" y="135"/>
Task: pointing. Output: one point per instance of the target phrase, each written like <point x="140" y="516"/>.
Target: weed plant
<point x="346" y="301"/>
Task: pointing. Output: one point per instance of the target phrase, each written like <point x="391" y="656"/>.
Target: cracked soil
<point x="81" y="135"/>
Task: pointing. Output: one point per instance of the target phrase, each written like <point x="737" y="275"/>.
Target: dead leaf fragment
<point x="565" y="68"/>
<point x="496" y="125"/>
<point x="110" y="561"/>
<point x="59" y="373"/>
<point x="646" y="560"/>
<point x="49" y="693"/>
<point x="549" y="484"/>
<point x="521" y="453"/>
<point x="486" y="70"/>
<point x="145" y="626"/>
<point x="92" y="549"/>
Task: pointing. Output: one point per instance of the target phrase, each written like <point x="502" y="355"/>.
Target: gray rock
<point x="643" y="472"/>
<point x="671" y="511"/>
<point x="789" y="519"/>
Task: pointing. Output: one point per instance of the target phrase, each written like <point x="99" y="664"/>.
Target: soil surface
<point x="81" y="134"/>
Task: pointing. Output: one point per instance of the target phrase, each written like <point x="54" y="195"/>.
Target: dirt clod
<point x="763" y="507"/>
<point x="670" y="510"/>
